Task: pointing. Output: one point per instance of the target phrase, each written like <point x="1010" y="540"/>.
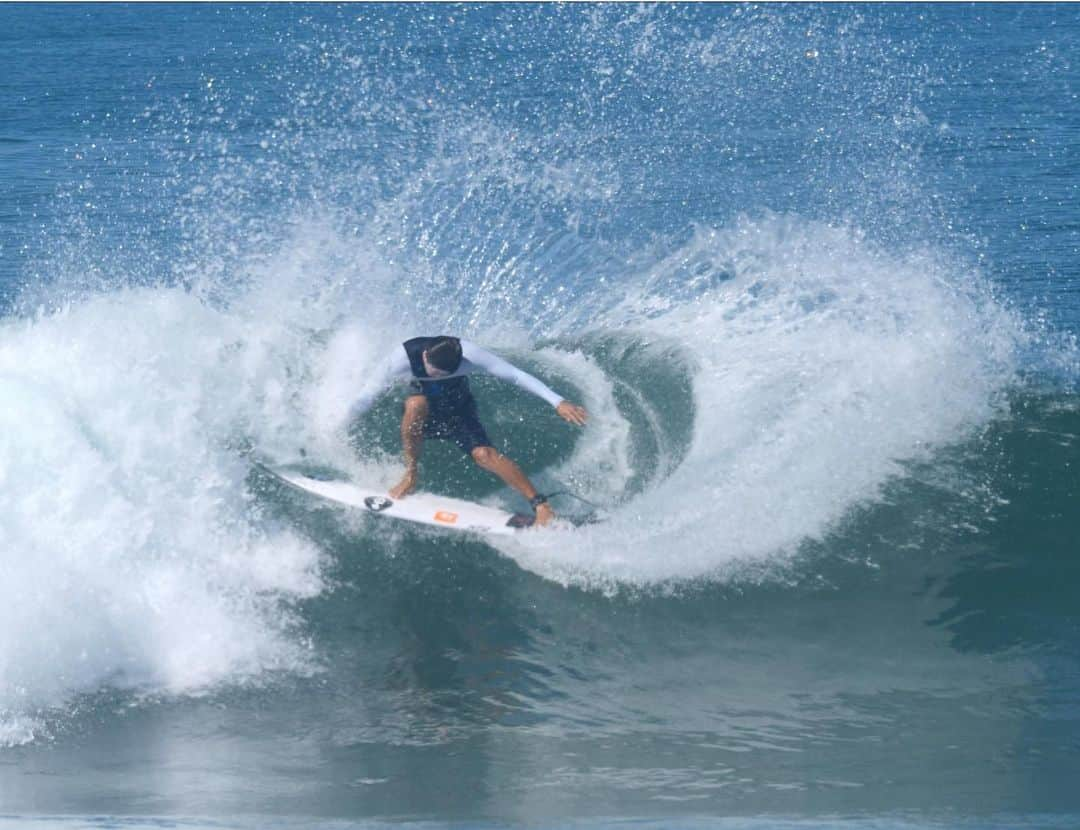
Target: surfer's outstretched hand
<point x="573" y="413"/>
<point x="404" y="487"/>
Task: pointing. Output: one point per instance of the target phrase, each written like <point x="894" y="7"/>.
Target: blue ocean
<point x="813" y="270"/>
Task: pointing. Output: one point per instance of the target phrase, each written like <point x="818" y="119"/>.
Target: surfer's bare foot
<point x="404" y="487"/>
<point x="544" y="514"/>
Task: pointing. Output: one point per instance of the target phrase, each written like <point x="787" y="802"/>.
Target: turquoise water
<point x="813" y="271"/>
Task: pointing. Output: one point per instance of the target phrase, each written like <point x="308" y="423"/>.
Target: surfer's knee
<point x="485" y="456"/>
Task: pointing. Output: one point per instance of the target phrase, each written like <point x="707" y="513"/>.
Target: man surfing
<point x="442" y="407"/>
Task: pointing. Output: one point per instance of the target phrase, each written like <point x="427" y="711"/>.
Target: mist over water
<point x="824" y="385"/>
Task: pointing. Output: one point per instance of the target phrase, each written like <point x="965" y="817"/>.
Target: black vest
<point x="448" y="392"/>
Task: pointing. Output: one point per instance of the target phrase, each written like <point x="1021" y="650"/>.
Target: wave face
<point x="823" y="380"/>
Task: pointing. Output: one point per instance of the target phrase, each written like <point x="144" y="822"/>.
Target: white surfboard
<point x="423" y="508"/>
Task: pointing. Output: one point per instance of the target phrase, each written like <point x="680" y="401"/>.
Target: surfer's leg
<point x="412" y="443"/>
<point x="493" y="461"/>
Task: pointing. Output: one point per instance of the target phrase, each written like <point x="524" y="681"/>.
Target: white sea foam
<point x="820" y="362"/>
<point x="135" y="556"/>
<point x="131" y="554"/>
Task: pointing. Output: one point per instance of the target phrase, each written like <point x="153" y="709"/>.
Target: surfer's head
<point x="443" y="357"/>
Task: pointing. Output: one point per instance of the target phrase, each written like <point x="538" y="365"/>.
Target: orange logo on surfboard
<point x="446" y="517"/>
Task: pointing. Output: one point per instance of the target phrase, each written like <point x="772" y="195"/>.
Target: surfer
<point x="441" y="406"/>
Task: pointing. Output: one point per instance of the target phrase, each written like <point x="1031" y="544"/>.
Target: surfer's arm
<point x="495" y="365"/>
<point x="393" y="368"/>
<point x="482" y="359"/>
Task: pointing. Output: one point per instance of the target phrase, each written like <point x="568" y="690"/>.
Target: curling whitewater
<point x="818" y="362"/>
<point x="749" y="388"/>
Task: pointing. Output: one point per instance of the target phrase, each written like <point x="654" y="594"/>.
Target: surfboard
<point x="422" y="508"/>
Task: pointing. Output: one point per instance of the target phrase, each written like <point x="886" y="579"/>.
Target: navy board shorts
<point x="457" y="422"/>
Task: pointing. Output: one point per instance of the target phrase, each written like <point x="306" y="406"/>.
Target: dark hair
<point x="444" y="354"/>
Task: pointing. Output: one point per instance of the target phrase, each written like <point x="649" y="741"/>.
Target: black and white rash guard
<point x="396" y="367"/>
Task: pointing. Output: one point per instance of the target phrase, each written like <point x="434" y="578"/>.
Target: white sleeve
<point x="394" y="367"/>
<point x="495" y="365"/>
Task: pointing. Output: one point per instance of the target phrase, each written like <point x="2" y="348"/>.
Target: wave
<point x="748" y="390"/>
<point x="755" y="376"/>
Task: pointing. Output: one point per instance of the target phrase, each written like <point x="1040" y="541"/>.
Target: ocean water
<point x="813" y="270"/>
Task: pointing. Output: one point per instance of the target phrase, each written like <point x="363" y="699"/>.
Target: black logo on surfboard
<point x="377" y="503"/>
